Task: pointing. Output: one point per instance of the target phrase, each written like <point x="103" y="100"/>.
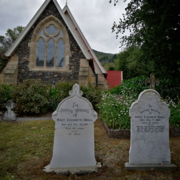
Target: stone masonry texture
<point x="23" y="52"/>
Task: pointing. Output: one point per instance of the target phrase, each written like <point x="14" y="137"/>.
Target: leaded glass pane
<point x="51" y="30"/>
<point x="60" y="53"/>
<point x="60" y="35"/>
<point x="42" y="33"/>
<point x="40" y="52"/>
<point x="50" y="53"/>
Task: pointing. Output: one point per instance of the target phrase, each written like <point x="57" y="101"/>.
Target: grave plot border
<point x="117" y="134"/>
<point x="125" y="133"/>
<point x="174" y="131"/>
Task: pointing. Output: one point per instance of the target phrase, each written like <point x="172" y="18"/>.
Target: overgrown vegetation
<point x="5" y="43"/>
<point x="132" y="63"/>
<point x="31" y="97"/>
<point x="115" y="104"/>
<point x="5" y="94"/>
<point x="58" y="92"/>
<point x="154" y="27"/>
<point x="35" y="97"/>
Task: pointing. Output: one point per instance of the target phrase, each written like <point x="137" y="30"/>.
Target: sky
<point x="94" y="17"/>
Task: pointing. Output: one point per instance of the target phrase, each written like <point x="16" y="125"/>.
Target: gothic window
<point x="50" y="48"/>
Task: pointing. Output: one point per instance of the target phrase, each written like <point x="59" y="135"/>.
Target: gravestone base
<point x="76" y="170"/>
<point x="150" y="166"/>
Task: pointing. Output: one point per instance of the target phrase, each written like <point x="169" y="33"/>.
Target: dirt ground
<point x="112" y="153"/>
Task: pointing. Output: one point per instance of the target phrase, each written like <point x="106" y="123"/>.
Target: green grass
<point x="23" y="141"/>
<point x="26" y="148"/>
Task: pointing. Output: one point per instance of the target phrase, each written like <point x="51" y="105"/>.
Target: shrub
<point x="115" y="111"/>
<point x="169" y="88"/>
<point x="93" y="94"/>
<point x="166" y="87"/>
<point x="61" y="91"/>
<point x="111" y="109"/>
<point x="131" y="87"/>
<point x="5" y="94"/>
<point x="31" y="97"/>
<point x="175" y="115"/>
<point x="58" y="92"/>
<point x="174" y="118"/>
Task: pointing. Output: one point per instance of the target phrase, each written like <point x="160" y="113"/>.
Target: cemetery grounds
<point x="27" y="147"/>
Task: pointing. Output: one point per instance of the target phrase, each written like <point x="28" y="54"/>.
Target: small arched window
<point x="50" y="47"/>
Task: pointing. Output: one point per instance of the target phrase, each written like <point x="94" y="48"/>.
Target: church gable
<point x="37" y="38"/>
<point x="52" y="48"/>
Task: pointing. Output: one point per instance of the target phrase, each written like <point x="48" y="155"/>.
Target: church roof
<point x="73" y="27"/>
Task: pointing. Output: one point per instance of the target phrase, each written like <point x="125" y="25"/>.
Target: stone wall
<point x="10" y="72"/>
<point x="23" y="52"/>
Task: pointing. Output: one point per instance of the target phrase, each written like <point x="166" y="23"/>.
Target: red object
<point x="4" y="56"/>
<point x="114" y="78"/>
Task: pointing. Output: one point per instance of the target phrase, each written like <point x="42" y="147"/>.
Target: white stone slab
<point x="74" y="132"/>
<point x="149" y="130"/>
<point x="75" y="170"/>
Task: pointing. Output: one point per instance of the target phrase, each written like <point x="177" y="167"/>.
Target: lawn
<point x="26" y="147"/>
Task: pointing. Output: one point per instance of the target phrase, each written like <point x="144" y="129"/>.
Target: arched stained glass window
<point x="51" y="30"/>
<point x="42" y="33"/>
<point x="40" y="52"/>
<point x="60" y="35"/>
<point x="50" y="46"/>
<point x="50" y="53"/>
<point x="60" y="53"/>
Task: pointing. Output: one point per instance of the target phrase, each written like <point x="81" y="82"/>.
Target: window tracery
<point x="50" y="42"/>
<point x="49" y="47"/>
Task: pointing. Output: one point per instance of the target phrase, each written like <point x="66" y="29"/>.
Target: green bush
<point x="61" y="91"/>
<point x="93" y="94"/>
<point x="116" y="113"/>
<point x="5" y="94"/>
<point x="131" y="87"/>
<point x="169" y="88"/>
<point x="58" y="92"/>
<point x="114" y="110"/>
<point x="31" y="97"/>
<point x="166" y="87"/>
<point x="174" y="118"/>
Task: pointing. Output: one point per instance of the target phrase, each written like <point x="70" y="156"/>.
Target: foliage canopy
<point x="6" y="41"/>
<point x="154" y="26"/>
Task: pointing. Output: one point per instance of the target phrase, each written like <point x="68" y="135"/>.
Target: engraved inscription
<point x="74" y="131"/>
<point x="150" y="123"/>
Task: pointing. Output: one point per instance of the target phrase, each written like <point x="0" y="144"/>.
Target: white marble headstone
<point x="74" y="132"/>
<point x="9" y="115"/>
<point x="149" y="130"/>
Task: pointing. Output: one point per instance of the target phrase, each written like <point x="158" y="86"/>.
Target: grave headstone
<point x="149" y="148"/>
<point x="73" y="149"/>
<point x="9" y="115"/>
<point x="152" y="81"/>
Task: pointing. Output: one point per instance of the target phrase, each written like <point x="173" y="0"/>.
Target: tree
<point x="154" y="27"/>
<point x="6" y="41"/>
<point x="130" y="62"/>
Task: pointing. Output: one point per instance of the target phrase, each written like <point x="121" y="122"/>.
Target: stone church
<point x="52" y="48"/>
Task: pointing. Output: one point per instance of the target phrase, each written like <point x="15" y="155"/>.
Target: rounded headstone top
<point x="149" y="100"/>
<point x="75" y="91"/>
<point x="74" y="111"/>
